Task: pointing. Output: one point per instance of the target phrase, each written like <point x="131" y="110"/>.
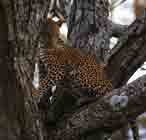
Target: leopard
<point x="85" y="69"/>
<point x="65" y="63"/>
<point x="58" y="53"/>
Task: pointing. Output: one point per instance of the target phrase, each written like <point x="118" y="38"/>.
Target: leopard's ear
<point x="50" y="16"/>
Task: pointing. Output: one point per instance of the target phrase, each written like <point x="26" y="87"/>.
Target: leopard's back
<point x="88" y="73"/>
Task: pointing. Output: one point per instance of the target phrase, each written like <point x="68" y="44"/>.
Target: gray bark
<point x="23" y="22"/>
<point x="108" y="114"/>
<point x="11" y="96"/>
<point x="89" y="29"/>
<point x="128" y="54"/>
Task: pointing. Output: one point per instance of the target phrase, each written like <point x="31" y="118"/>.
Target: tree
<point x="90" y="30"/>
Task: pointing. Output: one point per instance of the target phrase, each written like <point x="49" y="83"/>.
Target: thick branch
<point x="88" y="27"/>
<point x="129" y="53"/>
<point x="108" y="114"/>
<point x="117" y="30"/>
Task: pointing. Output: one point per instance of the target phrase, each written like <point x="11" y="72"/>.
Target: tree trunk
<point x="89" y="29"/>
<point x="11" y="95"/>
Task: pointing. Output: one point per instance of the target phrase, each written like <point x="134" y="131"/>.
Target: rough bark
<point x="128" y="54"/>
<point x="117" y="30"/>
<point x="108" y="114"/>
<point x="23" y="21"/>
<point x="11" y="96"/>
<point x="88" y="27"/>
<point x="89" y="30"/>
